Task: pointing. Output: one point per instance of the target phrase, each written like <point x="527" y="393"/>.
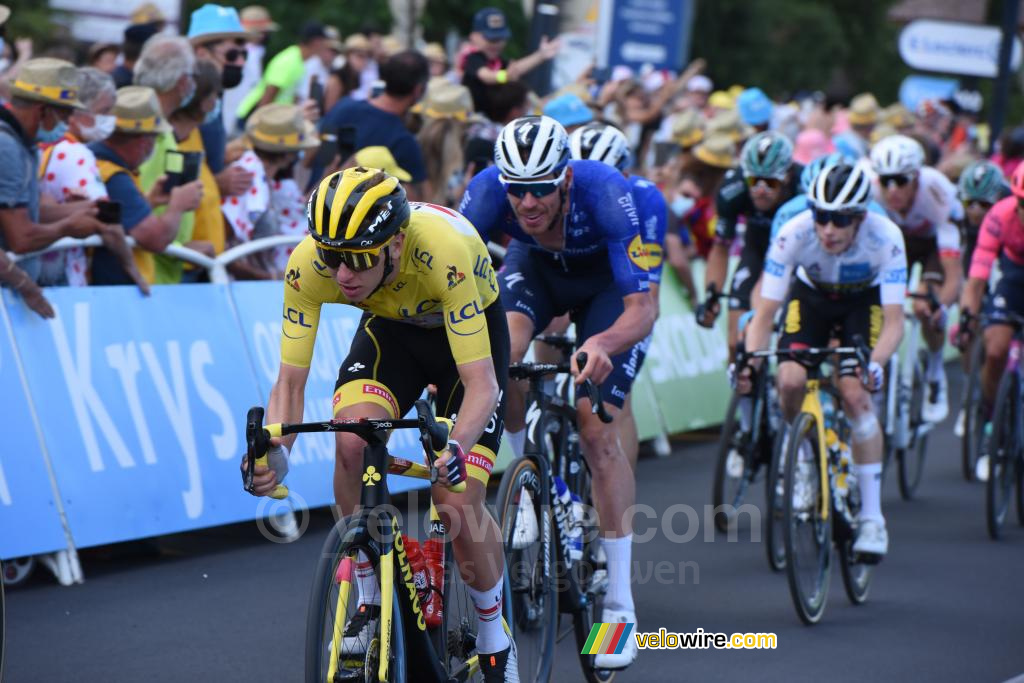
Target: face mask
<point x="189" y="94"/>
<point x="681" y="204"/>
<point x="102" y="128"/>
<point x="231" y="76"/>
<point x="213" y="114"/>
<point x="44" y="136"/>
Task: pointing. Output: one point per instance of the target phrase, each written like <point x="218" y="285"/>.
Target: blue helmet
<point x="814" y="167"/>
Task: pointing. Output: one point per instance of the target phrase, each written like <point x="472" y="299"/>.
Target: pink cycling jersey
<point x="1001" y="231"/>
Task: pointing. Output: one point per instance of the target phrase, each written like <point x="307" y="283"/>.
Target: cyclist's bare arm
<point x="952" y="270"/>
<point x="478" y="402"/>
<point x="759" y="331"/>
<point x="891" y="335"/>
<point x="287" y="399"/>
<point x="974" y="290"/>
<point x="718" y="265"/>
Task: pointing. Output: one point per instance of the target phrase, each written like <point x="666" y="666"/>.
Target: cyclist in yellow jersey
<point x="424" y="280"/>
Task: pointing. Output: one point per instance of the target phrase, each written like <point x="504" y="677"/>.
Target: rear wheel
<point x="775" y="514"/>
<point x="974" y="419"/>
<point x="808" y="533"/>
<point x="856" y="575"/>
<point x="358" y="657"/>
<point x="1002" y="451"/>
<point x="911" y="459"/>
<point x="592" y="576"/>
<point x="528" y="534"/>
<point x="735" y="467"/>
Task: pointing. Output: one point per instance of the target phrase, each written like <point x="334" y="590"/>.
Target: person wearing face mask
<point x="259" y="26"/>
<point x="217" y="34"/>
<point x="42" y="99"/>
<point x="68" y="171"/>
<point x="138" y="121"/>
<point x="208" y="233"/>
<point x="277" y="134"/>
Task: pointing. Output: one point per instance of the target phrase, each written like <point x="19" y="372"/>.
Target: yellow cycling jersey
<point x="444" y="278"/>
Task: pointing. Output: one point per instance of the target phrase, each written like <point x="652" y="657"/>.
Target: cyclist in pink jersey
<point x="1002" y="234"/>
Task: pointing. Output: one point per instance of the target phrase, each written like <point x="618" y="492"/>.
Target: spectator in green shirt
<point x="286" y="70"/>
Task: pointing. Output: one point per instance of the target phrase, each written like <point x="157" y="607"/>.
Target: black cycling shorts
<point x="390" y="363"/>
<point x="813" y="318"/>
<point x="925" y="250"/>
<point x="747" y="273"/>
<point x="1008" y="295"/>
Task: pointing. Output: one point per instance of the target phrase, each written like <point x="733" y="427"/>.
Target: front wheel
<point x="911" y="458"/>
<point x="733" y="467"/>
<point x="528" y="535"/>
<point x="775" y="517"/>
<point x="333" y="606"/>
<point x="808" y="532"/>
<point x="974" y="418"/>
<point x="592" y="575"/>
<point x="1002" y="451"/>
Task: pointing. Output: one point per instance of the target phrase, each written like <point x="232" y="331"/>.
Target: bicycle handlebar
<point x="532" y="370"/>
<point x="860" y="351"/>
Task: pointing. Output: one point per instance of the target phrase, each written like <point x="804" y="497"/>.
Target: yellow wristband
<point x="501" y="76"/>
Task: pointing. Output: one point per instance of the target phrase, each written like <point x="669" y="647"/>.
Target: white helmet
<point x="897" y="155"/>
<point x="531" y="147"/>
<point x="600" y="142"/>
<point x="840" y="187"/>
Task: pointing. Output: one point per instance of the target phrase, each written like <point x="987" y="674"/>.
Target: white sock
<point x="935" y="368"/>
<point x="619" y="553"/>
<point x="746" y="412"/>
<point x="517" y="440"/>
<point x="491" y="637"/>
<point x="869" y="481"/>
<point x="366" y="579"/>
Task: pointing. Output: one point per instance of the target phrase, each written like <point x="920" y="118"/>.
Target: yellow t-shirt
<point x="444" y="278"/>
<point x="209" y="224"/>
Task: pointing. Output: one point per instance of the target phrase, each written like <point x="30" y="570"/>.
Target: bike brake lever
<point x="256" y="442"/>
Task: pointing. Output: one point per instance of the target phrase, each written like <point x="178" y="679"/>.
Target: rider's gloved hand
<point x="707" y="313"/>
<point x="876" y="376"/>
<point x="267" y="478"/>
<point x="451" y="465"/>
<point x="939" y="317"/>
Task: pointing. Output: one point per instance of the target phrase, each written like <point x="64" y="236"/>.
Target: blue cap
<point x="754" y="106"/>
<point x="569" y="110"/>
<point x="491" y="22"/>
<point x="215" y="22"/>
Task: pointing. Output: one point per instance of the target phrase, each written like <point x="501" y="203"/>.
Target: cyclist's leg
<point x="807" y="323"/>
<point x="628" y="435"/>
<point x="475" y="536"/>
<point x="742" y="288"/>
<point x="1008" y="297"/>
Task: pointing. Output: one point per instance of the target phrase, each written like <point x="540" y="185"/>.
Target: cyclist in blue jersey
<point x="577" y="249"/>
<point x="799" y="204"/>
<point x="604" y="142"/>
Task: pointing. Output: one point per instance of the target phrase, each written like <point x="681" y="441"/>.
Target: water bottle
<point x="576" y="528"/>
<point x="564" y="512"/>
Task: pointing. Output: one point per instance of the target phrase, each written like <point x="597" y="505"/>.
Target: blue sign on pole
<point x="639" y="32"/>
<point x="916" y="89"/>
<point x="29" y="521"/>
<point x="142" y="404"/>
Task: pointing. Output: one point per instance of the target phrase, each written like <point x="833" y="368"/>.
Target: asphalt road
<point x="225" y="604"/>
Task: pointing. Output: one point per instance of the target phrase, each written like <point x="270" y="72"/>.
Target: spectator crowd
<point x="205" y="141"/>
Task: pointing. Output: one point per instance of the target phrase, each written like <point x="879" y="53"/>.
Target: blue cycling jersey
<point x="653" y="210"/>
<point x="798" y="204"/>
<point x="602" y="229"/>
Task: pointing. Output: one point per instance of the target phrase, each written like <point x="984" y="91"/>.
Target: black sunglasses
<point x="840" y="219"/>
<point x="538" y="190"/>
<point x="900" y="179"/>
<point x="357" y="262"/>
<point x="969" y="203"/>
<point x="234" y="53"/>
<point x="770" y="183"/>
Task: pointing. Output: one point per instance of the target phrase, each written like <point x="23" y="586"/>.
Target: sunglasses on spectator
<point x="977" y="203"/>
<point x="538" y="188"/>
<point x="235" y="53"/>
<point x="770" y="183"/>
<point x="357" y="262"/>
<point x="901" y="179"/>
<point x="840" y="219"/>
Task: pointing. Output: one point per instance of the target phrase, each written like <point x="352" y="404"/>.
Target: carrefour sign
<point x="954" y="48"/>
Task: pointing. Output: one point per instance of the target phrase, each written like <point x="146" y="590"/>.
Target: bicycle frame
<point x="812" y="404"/>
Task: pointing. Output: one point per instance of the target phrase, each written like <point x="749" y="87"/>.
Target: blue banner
<point x="311" y="470"/>
<point x="28" y="515"/>
<point x="640" y="32"/>
<point x="141" y="403"/>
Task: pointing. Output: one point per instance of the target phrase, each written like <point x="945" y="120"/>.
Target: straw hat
<point x="863" y="110"/>
<point x="378" y="156"/>
<point x="721" y="100"/>
<point x="897" y="116"/>
<point x="281" y="128"/>
<point x="256" y="19"/>
<point x="390" y="45"/>
<point x="48" y="80"/>
<point x="334" y="38"/>
<point x="446" y="100"/>
<point x="138" y="112"/>
<point x="357" y="41"/>
<point x="729" y="123"/>
<point x="717" y="150"/>
<point x="688" y="128"/>
<point x="434" y="52"/>
<point x="147" y="13"/>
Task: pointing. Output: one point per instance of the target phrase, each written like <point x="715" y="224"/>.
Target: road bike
<point x="552" y="549"/>
<point x="971" y="405"/>
<point x="819" y="497"/>
<point x="403" y="646"/>
<point x="1005" y="447"/>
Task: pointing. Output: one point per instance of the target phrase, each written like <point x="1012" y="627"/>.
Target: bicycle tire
<point x="809" y="601"/>
<point x="774" y="518"/>
<point x="534" y="609"/>
<point x="974" y="421"/>
<point x="1001" y="453"/>
<point x="856" y="575"/>
<point x="320" y="618"/>
<point x="731" y="439"/>
<point x="911" y="458"/>
<point x="587" y="615"/>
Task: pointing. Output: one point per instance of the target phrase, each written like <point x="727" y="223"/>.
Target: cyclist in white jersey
<point x="851" y="278"/>
<point x="924" y="204"/>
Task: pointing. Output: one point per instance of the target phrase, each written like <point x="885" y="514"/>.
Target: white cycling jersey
<point x="935" y="212"/>
<point x="877" y="256"/>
